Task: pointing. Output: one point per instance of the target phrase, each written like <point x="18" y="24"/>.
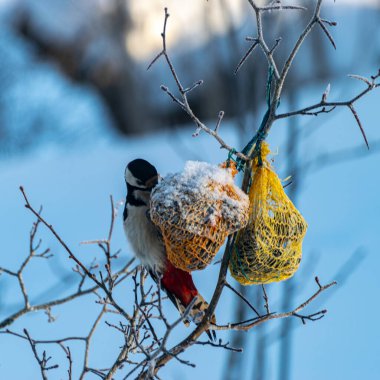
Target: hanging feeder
<point x="195" y="211"/>
<point x="269" y="248"/>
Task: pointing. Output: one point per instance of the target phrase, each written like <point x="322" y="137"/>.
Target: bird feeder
<point x="269" y="248"/>
<point x="195" y="211"/>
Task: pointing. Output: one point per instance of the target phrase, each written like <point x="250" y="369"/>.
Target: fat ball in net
<point x="269" y="248"/>
<point x="195" y="211"/>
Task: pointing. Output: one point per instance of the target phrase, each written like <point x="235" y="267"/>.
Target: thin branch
<point x="266" y="299"/>
<point x="356" y="116"/>
<point x="261" y="40"/>
<point x="246" y="55"/>
<point x="269" y="8"/>
<point x="100" y="284"/>
<point x="42" y="362"/>
<point x="220" y="118"/>
<point x="243" y="298"/>
<point x="12" y="318"/>
<point x="281" y="80"/>
<point x="44" y="306"/>
<point x="67" y="351"/>
<point x="275" y="46"/>
<point x="361" y="78"/>
<point x="226" y="346"/>
<point x="311" y="317"/>
<point x="88" y="341"/>
<point x="294" y="313"/>
<point x="39" y="341"/>
<point x="324" y="107"/>
<point x="183" y="101"/>
<point x="7" y="271"/>
<point x="326" y="31"/>
<point x="205" y="322"/>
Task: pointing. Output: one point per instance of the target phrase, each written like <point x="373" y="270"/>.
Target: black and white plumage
<point x="141" y="177"/>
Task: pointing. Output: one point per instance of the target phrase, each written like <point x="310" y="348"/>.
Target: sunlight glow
<point x="193" y="21"/>
<point x="190" y="21"/>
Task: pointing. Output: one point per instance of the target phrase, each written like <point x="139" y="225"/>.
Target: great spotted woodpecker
<point x="141" y="177"/>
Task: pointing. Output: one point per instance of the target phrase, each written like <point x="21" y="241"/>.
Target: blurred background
<point x="77" y="104"/>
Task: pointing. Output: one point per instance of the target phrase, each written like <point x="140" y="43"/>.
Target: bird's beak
<point x="152" y="181"/>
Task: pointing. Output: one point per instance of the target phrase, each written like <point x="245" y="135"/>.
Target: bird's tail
<point x="180" y="288"/>
<point x="197" y="313"/>
<point x="198" y="310"/>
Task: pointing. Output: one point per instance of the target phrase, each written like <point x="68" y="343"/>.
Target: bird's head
<point x="141" y="175"/>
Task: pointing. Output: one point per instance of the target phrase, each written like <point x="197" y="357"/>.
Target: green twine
<point x="239" y="163"/>
<point x="230" y="156"/>
<point x="253" y="148"/>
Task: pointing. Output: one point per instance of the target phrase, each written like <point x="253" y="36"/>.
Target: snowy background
<point x="60" y="139"/>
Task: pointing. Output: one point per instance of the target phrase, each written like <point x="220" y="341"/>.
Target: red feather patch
<point x="180" y="283"/>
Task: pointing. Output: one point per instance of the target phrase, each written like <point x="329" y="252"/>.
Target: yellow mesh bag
<point x="269" y="248"/>
<point x="196" y="210"/>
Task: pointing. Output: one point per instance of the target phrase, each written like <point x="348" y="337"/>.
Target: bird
<point x="141" y="177"/>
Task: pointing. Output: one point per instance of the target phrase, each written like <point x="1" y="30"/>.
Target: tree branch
<point x="183" y="101"/>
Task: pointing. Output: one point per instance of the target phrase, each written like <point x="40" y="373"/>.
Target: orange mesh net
<point x="196" y="210"/>
<point x="231" y="165"/>
<point x="269" y="248"/>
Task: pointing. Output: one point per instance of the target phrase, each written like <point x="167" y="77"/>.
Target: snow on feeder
<point x="196" y="210"/>
<point x="269" y="248"/>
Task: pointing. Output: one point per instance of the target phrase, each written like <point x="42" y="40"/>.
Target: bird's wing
<point x="158" y="232"/>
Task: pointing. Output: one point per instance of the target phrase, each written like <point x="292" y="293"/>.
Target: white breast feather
<point x="142" y="235"/>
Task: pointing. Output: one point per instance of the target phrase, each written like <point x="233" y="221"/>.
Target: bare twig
<point x="183" y="101"/>
<point x="46" y="305"/>
<point x="226" y="346"/>
<point x="326" y="31"/>
<point x="266" y="300"/>
<point x="243" y="298"/>
<point x="247" y="325"/>
<point x="72" y="256"/>
<point x="88" y="341"/>
<point x="42" y="362"/>
<point x="356" y="116"/>
<point x="324" y="107"/>
<point x="247" y="54"/>
<point x="33" y="248"/>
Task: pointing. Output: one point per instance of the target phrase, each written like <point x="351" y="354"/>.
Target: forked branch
<point x="182" y="101"/>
